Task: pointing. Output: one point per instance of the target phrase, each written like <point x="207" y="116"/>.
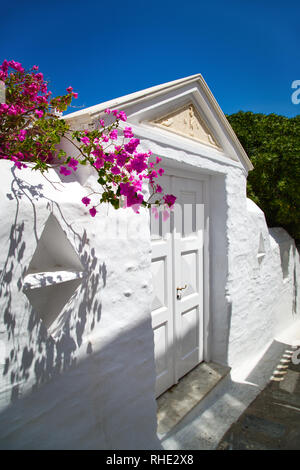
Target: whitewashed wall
<point x="92" y="384"/>
<point x="264" y="271"/>
<point x="250" y="300"/>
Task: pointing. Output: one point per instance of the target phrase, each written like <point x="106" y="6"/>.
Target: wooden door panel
<point x="188" y="271"/>
<point x="177" y="260"/>
<point x="162" y="307"/>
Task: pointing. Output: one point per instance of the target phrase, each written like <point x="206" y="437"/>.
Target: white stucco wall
<point x="92" y="385"/>
<point x="262" y="284"/>
<point x="250" y="301"/>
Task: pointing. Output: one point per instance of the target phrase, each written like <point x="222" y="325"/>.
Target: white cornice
<point x="132" y="97"/>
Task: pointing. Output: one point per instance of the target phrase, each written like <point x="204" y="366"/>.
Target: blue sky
<point x="247" y="51"/>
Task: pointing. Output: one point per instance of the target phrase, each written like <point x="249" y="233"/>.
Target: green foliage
<point x="272" y="143"/>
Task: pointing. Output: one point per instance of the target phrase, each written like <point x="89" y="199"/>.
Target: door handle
<point x="179" y="289"/>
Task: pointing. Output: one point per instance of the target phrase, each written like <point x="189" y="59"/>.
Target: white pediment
<point x="183" y="107"/>
<point x="186" y="121"/>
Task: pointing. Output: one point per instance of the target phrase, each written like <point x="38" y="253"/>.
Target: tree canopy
<point x="272" y="143"/>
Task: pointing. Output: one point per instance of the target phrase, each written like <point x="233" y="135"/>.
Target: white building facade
<point x="101" y="316"/>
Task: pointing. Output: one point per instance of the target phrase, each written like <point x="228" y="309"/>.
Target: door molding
<point x="206" y="180"/>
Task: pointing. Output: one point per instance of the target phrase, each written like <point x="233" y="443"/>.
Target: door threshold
<point x="174" y="404"/>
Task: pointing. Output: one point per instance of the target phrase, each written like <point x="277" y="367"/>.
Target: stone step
<point x="190" y="392"/>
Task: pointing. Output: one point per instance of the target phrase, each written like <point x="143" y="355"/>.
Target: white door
<point x="177" y="263"/>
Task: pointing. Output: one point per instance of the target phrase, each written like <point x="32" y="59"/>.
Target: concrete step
<point x="189" y="395"/>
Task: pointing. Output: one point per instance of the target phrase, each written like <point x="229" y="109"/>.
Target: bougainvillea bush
<point x="31" y="129"/>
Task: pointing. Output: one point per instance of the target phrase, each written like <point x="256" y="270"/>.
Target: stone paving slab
<point x="179" y="400"/>
<point x="272" y="421"/>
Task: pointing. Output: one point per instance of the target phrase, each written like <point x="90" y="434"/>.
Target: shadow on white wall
<point x="52" y="294"/>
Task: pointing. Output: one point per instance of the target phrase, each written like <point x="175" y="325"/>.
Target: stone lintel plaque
<point x="187" y="122"/>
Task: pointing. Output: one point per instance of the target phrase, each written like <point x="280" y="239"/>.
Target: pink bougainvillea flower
<point x="85" y="140"/>
<point x="39" y="76"/>
<point x="18" y="164"/>
<point x="65" y="171"/>
<point x="124" y="189"/>
<point x="138" y="163"/>
<point x="41" y="99"/>
<point x="4" y="66"/>
<point x="93" y="211"/>
<point x="22" y="135"/>
<point x="113" y="135"/>
<point x="128" y="133"/>
<point x="122" y="116"/>
<point x="138" y="185"/>
<point x="110" y="157"/>
<point x="169" y="199"/>
<point x="153" y="174"/>
<point x="121" y="159"/>
<point x="86" y="200"/>
<point x="20" y="155"/>
<point x="97" y="152"/>
<point x="73" y="163"/>
<point x="12" y="111"/>
<point x="35" y="67"/>
<point x="16" y="65"/>
<point x="123" y="168"/>
<point x="132" y="197"/>
<point x="115" y="170"/>
<point x="99" y="163"/>
<point x="39" y="113"/>
<point x="3" y="108"/>
<point x="132" y="145"/>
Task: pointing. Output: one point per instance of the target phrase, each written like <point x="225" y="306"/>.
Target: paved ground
<point x="272" y="421"/>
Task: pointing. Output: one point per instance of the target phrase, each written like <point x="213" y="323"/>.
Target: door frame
<point x="197" y="175"/>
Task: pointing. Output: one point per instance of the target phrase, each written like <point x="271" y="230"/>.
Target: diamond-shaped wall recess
<point x="54" y="273"/>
